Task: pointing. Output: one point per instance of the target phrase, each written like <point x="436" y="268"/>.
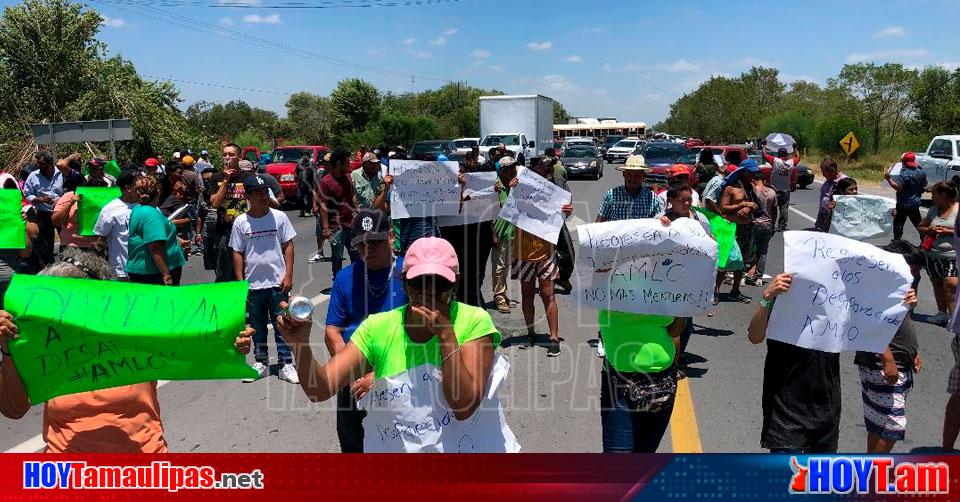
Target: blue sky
<point x="628" y="59"/>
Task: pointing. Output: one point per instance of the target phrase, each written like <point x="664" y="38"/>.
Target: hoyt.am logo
<point x="880" y="475"/>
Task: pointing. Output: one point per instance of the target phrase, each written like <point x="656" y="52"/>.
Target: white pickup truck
<point x="941" y="161"/>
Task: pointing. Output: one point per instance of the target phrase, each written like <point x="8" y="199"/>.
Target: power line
<point x="221" y="86"/>
<point x="270" y="45"/>
<point x="287" y="4"/>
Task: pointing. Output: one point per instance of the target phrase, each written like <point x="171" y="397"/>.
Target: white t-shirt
<point x="666" y="204"/>
<point x="260" y="240"/>
<point x="781" y="174"/>
<point x="114" y="223"/>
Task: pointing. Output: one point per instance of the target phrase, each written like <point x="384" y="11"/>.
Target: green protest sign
<point x="78" y="335"/>
<point x="725" y="232"/>
<point x="92" y="200"/>
<point x="13" y="230"/>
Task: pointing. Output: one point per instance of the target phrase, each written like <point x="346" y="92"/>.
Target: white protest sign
<point x="482" y="204"/>
<point x="422" y="188"/>
<point x="862" y="216"/>
<point x="408" y="413"/>
<point x="896" y="168"/>
<point x="534" y="206"/>
<point x="845" y="295"/>
<point x="648" y="268"/>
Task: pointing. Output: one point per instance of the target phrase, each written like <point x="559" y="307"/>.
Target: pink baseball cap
<point x="431" y="256"/>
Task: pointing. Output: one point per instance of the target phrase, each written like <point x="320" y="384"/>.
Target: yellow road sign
<point x="849" y="143"/>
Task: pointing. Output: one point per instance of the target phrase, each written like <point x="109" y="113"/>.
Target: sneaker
<point x="600" y="350"/>
<point x="503" y="307"/>
<point x="261" y="370"/>
<point x="553" y="349"/>
<point x="289" y="374"/>
<point x="315" y="258"/>
<point x="739" y="297"/>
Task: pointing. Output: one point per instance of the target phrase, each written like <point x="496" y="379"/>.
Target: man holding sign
<point x="107" y="403"/>
<point x="840" y="295"/>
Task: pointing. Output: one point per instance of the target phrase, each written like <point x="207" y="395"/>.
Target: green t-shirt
<point x="504" y="229"/>
<point x="147" y="224"/>
<point x="384" y="342"/>
<point x="637" y="342"/>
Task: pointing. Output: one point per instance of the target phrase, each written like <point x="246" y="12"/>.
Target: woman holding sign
<point x="431" y="359"/>
<point x="123" y="419"/>
<point x="65" y="216"/>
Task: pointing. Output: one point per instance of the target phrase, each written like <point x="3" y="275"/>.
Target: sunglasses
<point x="431" y="282"/>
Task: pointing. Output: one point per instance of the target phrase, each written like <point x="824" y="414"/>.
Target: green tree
<point x="354" y="104"/>
<point x="560" y="115"/>
<point x="405" y="129"/>
<point x="936" y="100"/>
<point x="884" y="95"/>
<point x="833" y="128"/>
<point x="308" y="116"/>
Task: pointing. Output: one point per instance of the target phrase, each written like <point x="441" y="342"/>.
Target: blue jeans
<point x="263" y="306"/>
<point x="339" y="241"/>
<point x="626" y="431"/>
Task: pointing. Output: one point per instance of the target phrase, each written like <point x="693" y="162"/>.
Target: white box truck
<point x="524" y="124"/>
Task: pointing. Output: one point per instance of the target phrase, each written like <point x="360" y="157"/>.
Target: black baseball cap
<point x="254" y="182"/>
<point x="370" y="225"/>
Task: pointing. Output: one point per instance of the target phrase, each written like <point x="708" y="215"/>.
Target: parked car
<point x="464" y="145"/>
<point x="609" y="141"/>
<point x="582" y="161"/>
<point x="941" y="161"/>
<point x="660" y="156"/>
<point x="434" y="146"/>
<point x="574" y="141"/>
<point x="804" y="176"/>
<point x="283" y="166"/>
<point x="621" y="150"/>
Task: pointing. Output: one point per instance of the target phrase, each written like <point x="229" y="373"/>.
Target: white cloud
<point x="226" y="21"/>
<point x="680" y="65"/>
<point x="599" y="29"/>
<point x="480" y="54"/>
<point x="891" y="32"/>
<point x="243" y="3"/>
<point x="898" y="55"/>
<point x="540" y="46"/>
<point x="439" y="41"/>
<point x="497" y="68"/>
<point x="606" y="67"/>
<point x="258" y="19"/>
<point x="409" y="41"/>
<point x="573" y="58"/>
<point x="113" y="22"/>
<point x="450" y="32"/>
<point x="419" y="54"/>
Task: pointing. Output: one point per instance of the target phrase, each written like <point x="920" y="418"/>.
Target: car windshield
<point x="431" y="147"/>
<point x="664" y="151"/>
<point x="579" y="152"/>
<point x="626" y="143"/>
<point x="291" y="154"/>
<point x="688" y="158"/>
<point x="465" y="143"/>
<point x="507" y="140"/>
<point x="611" y="140"/>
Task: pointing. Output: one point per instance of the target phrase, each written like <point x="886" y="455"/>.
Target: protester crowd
<point x="411" y="294"/>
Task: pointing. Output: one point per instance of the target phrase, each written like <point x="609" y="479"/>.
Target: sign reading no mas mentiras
<point x="422" y="189"/>
<point x="644" y="267"/>
<point x="846" y="295"/>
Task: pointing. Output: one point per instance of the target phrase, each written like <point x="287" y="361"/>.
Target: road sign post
<point x="112" y="130"/>
<point x="850" y="144"/>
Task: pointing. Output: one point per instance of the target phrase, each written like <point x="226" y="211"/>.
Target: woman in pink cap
<point x="431" y="360"/>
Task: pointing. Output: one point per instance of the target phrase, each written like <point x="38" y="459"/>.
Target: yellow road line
<point x="684" y="432"/>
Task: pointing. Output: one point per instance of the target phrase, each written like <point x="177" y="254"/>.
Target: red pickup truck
<point x="283" y="165"/>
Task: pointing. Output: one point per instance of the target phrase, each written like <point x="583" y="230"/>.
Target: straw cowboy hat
<point x="635" y="163"/>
